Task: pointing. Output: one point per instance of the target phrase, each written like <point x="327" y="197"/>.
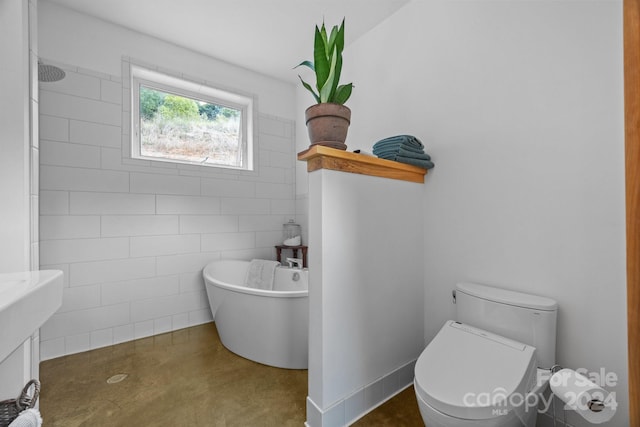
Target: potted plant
<point x="329" y="119"/>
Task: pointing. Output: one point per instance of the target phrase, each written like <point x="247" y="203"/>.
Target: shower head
<point x="49" y="73"/>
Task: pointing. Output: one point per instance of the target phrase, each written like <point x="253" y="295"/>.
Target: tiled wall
<point x="132" y="237"/>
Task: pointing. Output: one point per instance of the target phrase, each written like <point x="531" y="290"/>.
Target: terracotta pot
<point x="328" y="124"/>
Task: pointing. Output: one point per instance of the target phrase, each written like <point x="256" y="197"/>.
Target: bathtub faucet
<point x="294" y="262"/>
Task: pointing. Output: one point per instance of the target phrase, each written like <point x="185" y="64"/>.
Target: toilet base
<point x="520" y="417"/>
<point x="435" y="418"/>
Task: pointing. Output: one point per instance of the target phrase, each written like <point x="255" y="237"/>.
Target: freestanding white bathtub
<point x="269" y="327"/>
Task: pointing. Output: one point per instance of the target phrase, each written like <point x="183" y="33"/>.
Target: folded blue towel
<point x="396" y="148"/>
<point x="391" y="154"/>
<point x="408" y="140"/>
<point x="424" y="164"/>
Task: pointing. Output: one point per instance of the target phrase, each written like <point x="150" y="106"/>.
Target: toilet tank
<point x="526" y="318"/>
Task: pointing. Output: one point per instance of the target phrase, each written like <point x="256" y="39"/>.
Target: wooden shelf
<point x="321" y="157"/>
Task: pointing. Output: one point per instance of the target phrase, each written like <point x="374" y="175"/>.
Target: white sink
<point x="27" y="300"/>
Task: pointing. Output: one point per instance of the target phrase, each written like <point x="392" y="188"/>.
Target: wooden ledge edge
<point x="321" y="157"/>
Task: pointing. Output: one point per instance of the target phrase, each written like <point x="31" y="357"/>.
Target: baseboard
<point x="351" y="408"/>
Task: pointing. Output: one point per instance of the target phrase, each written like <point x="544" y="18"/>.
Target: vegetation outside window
<point x="177" y="120"/>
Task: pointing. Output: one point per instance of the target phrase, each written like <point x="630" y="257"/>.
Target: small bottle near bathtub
<point x="291" y="234"/>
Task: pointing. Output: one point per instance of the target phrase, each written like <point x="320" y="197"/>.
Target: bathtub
<point x="269" y="327"/>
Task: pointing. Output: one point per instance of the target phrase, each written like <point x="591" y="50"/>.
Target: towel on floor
<point x="260" y="274"/>
<point x="27" y="418"/>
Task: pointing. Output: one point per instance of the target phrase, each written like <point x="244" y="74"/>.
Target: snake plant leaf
<point x="343" y="93"/>
<point x="320" y="60"/>
<point x="306" y="64"/>
<point x="327" y="66"/>
<point x="340" y="38"/>
<point x="327" y="89"/>
<point x="310" y="89"/>
<point x="332" y="37"/>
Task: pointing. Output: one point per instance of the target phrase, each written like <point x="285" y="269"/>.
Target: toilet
<point x="490" y="366"/>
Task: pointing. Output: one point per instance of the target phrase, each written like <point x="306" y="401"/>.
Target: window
<point x="180" y="121"/>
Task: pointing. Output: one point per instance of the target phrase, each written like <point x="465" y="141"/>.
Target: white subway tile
<point x="191" y="282"/>
<point x="101" y="338"/>
<point x="283" y="207"/>
<point x="78" y="108"/>
<point x="69" y="227"/>
<point x="77" y="179"/>
<point x="274" y="191"/>
<point x="180" y="321"/>
<point x="175" y="264"/>
<point x="272" y="126"/>
<point x="208" y="223"/>
<point x="123" y="333"/>
<point x="76" y="84"/>
<point x="53" y="128"/>
<point x="354" y="406"/>
<point x="139" y="225"/>
<point x="228" y="241"/>
<point x="281" y="160"/>
<point x="261" y="222"/>
<point x="95" y="134"/>
<point x="88" y="273"/>
<point x="227" y="188"/>
<point x="113" y="159"/>
<point x="257" y="253"/>
<point x="111" y="203"/>
<point x="277" y="143"/>
<point x="66" y="154"/>
<point x="198" y="317"/>
<point x="166" y="306"/>
<point x="164" y="184"/>
<point x="54" y="202"/>
<point x="84" y="321"/>
<point x="80" y="298"/>
<point x="133" y="290"/>
<point x="111" y="91"/>
<point x="77" y="343"/>
<point x="193" y="205"/>
<point x="143" y="329"/>
<point x="268" y="238"/>
<point x="164" y="245"/>
<point x="268" y="174"/>
<point x="50" y="349"/>
<point x="162" y="325"/>
<point x="80" y="250"/>
<point x="245" y="206"/>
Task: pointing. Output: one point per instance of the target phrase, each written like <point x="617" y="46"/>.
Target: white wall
<point x="520" y="104"/>
<point x="73" y="38"/>
<point x="19" y="170"/>
<point x="365" y="292"/>
<point x="14" y="122"/>
<point x="132" y="237"/>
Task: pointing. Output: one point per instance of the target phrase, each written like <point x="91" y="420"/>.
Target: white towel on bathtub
<point x="260" y="274"/>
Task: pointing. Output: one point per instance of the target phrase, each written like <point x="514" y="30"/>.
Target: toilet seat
<point x="469" y="373"/>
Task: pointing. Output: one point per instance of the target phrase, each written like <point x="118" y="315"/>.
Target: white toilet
<point x="490" y="366"/>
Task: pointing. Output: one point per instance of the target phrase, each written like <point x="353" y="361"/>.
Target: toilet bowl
<point x="471" y="377"/>
<point x="491" y="367"/>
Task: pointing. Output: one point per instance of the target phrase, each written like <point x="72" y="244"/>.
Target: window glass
<point x="185" y="122"/>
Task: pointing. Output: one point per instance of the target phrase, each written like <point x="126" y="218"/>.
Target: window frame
<point x="180" y="86"/>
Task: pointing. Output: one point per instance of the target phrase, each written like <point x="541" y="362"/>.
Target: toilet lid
<point x="469" y="373"/>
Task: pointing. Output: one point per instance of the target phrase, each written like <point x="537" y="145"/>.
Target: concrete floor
<point x="185" y="378"/>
